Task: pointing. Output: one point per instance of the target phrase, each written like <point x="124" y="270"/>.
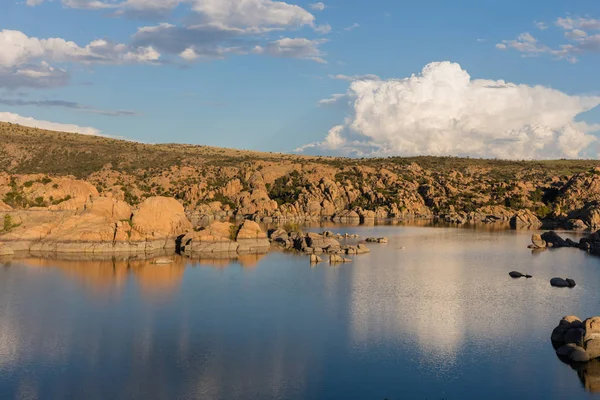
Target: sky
<point x="501" y="79"/>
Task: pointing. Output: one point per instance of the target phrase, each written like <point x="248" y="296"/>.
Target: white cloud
<point x="570" y="23"/>
<point x="323" y="29"/>
<point x="211" y="29"/>
<point x="294" y="48"/>
<point x="52" y="126"/>
<point x="16" y="48"/>
<point x="333" y="99"/>
<point x="256" y="14"/>
<point x="541" y="25"/>
<point x="42" y="75"/>
<point x="575" y="30"/>
<point x="352" y="27"/>
<point x="333" y="141"/>
<point x="24" y="60"/>
<point x="442" y="111"/>
<point x="320" y="6"/>
<point x="351" y="78"/>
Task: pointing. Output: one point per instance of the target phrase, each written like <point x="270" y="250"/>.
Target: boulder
<point x="571" y="282"/>
<point x="592" y="325"/>
<point x="538" y="242"/>
<point x="316" y="240"/>
<point x="160" y="217"/>
<point x="575" y="336"/>
<point x="251" y="230"/>
<point x="566" y="350"/>
<point x="525" y="219"/>
<point x="278" y="234"/>
<point x="314" y="259"/>
<point x="592" y="348"/>
<point x="579" y="355"/>
<point x="109" y="208"/>
<point x="559" y="282"/>
<point x="552" y="238"/>
<point x="516" y="274"/>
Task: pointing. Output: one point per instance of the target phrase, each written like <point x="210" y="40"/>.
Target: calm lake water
<point x="431" y="315"/>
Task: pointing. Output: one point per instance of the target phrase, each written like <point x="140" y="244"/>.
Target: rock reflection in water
<point x="589" y="374"/>
<point x="105" y="274"/>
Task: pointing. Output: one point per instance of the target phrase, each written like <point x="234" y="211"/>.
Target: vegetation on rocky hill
<point x="37" y="168"/>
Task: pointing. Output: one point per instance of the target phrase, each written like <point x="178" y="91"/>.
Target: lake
<point x="431" y="315"/>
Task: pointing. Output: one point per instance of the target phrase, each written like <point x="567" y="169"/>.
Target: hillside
<point x="38" y="168"/>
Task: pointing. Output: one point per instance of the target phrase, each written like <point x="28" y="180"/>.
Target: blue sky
<point x="255" y="71"/>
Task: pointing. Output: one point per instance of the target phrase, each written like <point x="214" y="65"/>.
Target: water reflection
<point x="432" y="314"/>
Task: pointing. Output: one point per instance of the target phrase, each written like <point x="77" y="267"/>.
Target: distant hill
<point x="261" y="185"/>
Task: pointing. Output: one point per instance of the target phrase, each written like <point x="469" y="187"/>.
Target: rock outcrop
<point x="103" y="225"/>
<point x="525" y="219"/>
<point x="225" y="237"/>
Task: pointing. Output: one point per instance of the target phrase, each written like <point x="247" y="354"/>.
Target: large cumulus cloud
<point x="442" y="111"/>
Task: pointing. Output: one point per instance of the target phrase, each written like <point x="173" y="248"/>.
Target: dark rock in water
<point x="571" y="282"/>
<point x="575" y="336"/>
<point x="559" y="282"/>
<point x="554" y="239"/>
<point x="515" y="274"/>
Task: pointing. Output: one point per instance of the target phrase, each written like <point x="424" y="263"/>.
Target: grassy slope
<point x="26" y="150"/>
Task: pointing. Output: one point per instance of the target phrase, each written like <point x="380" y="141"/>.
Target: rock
<point x="566" y="350"/>
<point x="575" y="336"/>
<point x="579" y="355"/>
<point x="163" y="261"/>
<point x="335" y="259"/>
<point x="592" y="325"/>
<point x="538" y="242"/>
<point x="525" y="219"/>
<point x="316" y="240"/>
<point x="515" y="274"/>
<point x="250" y="230"/>
<point x="554" y="239"/>
<point x="160" y="217"/>
<point x="377" y="240"/>
<point x="362" y="249"/>
<point x="5" y="250"/>
<point x="558" y="334"/>
<point x="592" y="348"/>
<point x="4" y="206"/>
<point x="576" y="224"/>
<point x="315" y="259"/>
<point x="112" y="209"/>
<point x="559" y="282"/>
<point x="571" y="283"/>
<point x="278" y="234"/>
